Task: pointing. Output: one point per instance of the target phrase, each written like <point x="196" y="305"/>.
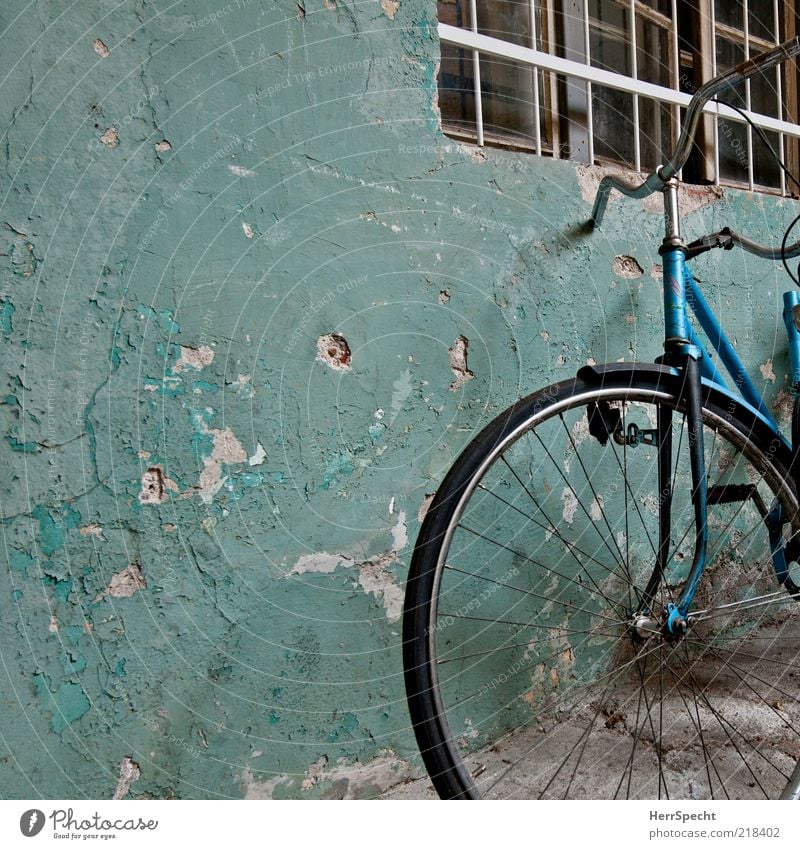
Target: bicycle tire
<point x="750" y="690"/>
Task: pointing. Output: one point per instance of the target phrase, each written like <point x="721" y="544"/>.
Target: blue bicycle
<point x="602" y="601"/>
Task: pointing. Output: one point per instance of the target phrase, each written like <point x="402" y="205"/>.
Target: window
<point x="504" y="81"/>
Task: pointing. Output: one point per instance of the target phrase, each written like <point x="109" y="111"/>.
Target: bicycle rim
<point x="527" y="678"/>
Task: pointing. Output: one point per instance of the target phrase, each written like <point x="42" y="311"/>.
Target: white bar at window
<point x="537" y="128"/>
<point x="713" y="74"/>
<point x="779" y="92"/>
<point x="676" y="74"/>
<point x="637" y="148"/>
<point x="476" y="75"/>
<point x="747" y="100"/>
<point x="525" y="55"/>
<point x="589" y="116"/>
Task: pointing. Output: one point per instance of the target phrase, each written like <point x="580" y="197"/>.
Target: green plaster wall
<point x="206" y="528"/>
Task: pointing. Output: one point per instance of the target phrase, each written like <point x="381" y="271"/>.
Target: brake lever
<point x="722" y="239"/>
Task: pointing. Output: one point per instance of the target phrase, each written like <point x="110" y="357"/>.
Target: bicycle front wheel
<point x="527" y="675"/>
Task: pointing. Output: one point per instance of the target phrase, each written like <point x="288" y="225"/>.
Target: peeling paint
<point x="126" y="583"/>
<point x="322" y="563"/>
<point x="129" y="772"/>
<point x="458" y="363"/>
<point x="374" y="578"/>
<point x="390" y="8"/>
<point x="193" y="358"/>
<point x="156" y="486"/>
<point x="226" y="451"/>
<point x="343" y="780"/>
<point x="110" y="138"/>
<point x="258" y="457"/>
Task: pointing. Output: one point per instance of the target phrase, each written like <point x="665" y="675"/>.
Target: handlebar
<point x="722" y="81"/>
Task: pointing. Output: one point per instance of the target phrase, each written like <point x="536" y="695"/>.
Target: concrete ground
<point x="746" y="693"/>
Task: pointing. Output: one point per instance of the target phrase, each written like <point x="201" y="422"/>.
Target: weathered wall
<point x="206" y="526"/>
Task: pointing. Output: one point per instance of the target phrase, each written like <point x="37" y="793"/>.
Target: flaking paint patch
<point x="110" y="138"/>
<point x="425" y="506"/>
<point x="156" y="486"/>
<point x="228" y="451"/>
<point x="400" y="532"/>
<point x="390" y="8"/>
<point x="458" y="363"/>
<point x="314" y="772"/>
<point x="127" y="582"/>
<point x="570" y="505"/>
<point x="375" y="579"/>
<point x="353" y="780"/>
<point x="258" y="456"/>
<point x="129" y="772"/>
<point x="94" y="530"/>
<point x="193" y="358"/>
<point x="322" y="562"/>
<point x="767" y="371"/>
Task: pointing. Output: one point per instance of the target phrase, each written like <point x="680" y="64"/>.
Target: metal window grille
<point x="604" y="81"/>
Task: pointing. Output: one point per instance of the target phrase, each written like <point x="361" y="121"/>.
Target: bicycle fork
<point x="681" y="353"/>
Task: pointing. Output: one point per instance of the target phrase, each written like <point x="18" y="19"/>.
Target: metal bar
<point x="587" y="52"/>
<point x="747" y="98"/>
<point x="537" y="127"/>
<point x="713" y="74"/>
<point x="552" y="83"/>
<point x="716" y="336"/>
<point x="526" y="56"/>
<point x="637" y="147"/>
<point x="476" y="74"/>
<point x="676" y="68"/>
<point x="779" y="92"/>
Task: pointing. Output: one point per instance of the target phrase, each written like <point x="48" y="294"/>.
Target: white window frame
<point x="484" y="45"/>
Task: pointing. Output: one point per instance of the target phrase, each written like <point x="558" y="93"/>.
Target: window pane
<point x="454" y="12"/>
<point x="507" y="102"/>
<point x="506" y="19"/>
<point x="766" y="171"/>
<point x="764" y="93"/>
<point x="730" y="12"/>
<point x="456" y="88"/>
<point x="761" y="19"/>
<point x="612" y="113"/>
<point x="733" y="154"/>
<point x="654" y="65"/>
<point x="612" y="110"/>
